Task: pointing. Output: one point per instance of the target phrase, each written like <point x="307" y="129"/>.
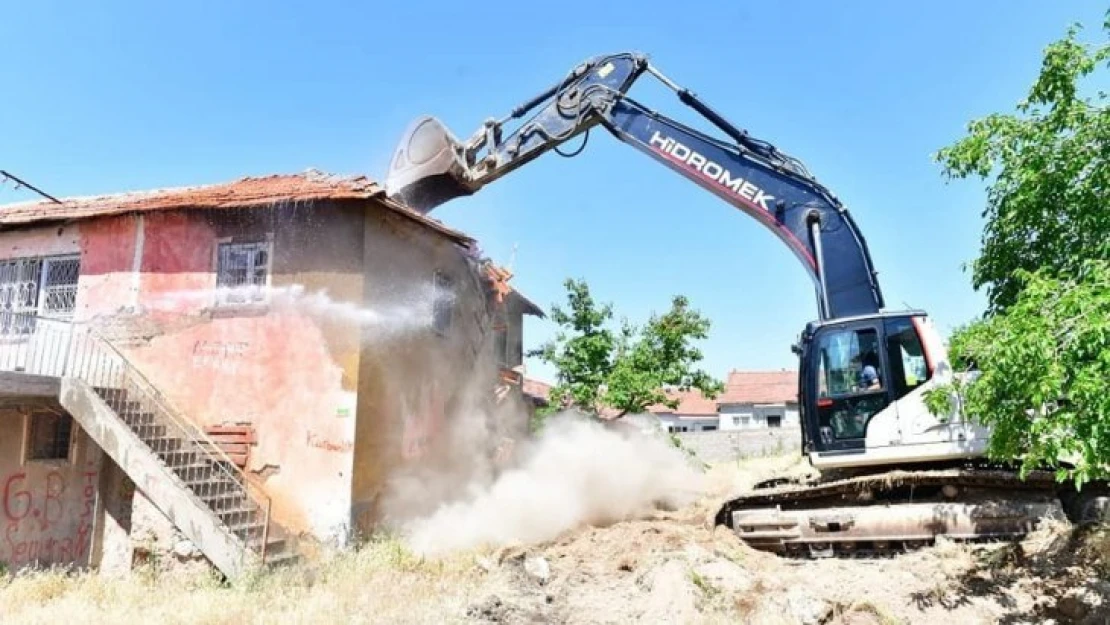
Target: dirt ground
<point x="676" y="569"/>
<point x="673" y="568"/>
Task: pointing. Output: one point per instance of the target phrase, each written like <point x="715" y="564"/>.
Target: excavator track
<point x="891" y="512"/>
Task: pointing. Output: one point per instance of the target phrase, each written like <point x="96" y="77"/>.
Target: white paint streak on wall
<point x="137" y="260"/>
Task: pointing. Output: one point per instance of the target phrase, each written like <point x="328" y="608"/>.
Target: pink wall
<point x="107" y="252"/>
<point x="178" y="254"/>
<point x="47" y="508"/>
<point x="276" y="370"/>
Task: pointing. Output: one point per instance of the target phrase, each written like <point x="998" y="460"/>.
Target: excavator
<point x="889" y="474"/>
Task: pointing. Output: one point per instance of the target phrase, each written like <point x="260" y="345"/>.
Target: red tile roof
<point x="535" y="388"/>
<point x="691" y="404"/>
<point x="249" y="192"/>
<point x="760" y="387"/>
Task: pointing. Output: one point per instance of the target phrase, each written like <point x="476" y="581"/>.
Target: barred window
<point x="49" y="436"/>
<point x="59" y="285"/>
<point x="36" y="286"/>
<point x="19" y="294"/>
<point x="242" y="272"/>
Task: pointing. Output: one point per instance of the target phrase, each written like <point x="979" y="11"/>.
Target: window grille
<point x="36" y="286"/>
<point x="59" y="286"/>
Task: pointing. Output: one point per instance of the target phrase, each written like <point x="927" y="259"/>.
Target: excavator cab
<point x="861" y="386"/>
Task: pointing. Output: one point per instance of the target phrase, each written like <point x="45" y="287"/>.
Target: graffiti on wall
<point x="222" y="356"/>
<point x="326" y="445"/>
<point x="43" y="521"/>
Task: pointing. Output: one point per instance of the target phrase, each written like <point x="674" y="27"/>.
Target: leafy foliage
<point x="1043" y="367"/>
<point x="1046" y="207"/>
<point x="627" y="369"/>
<point x="940" y="400"/>
<point x="1042" y="351"/>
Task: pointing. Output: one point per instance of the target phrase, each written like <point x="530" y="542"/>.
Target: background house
<point x="694" y="413"/>
<point x="759" y="399"/>
<point x="308" y="326"/>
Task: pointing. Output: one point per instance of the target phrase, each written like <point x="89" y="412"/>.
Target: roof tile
<point x="691" y="404"/>
<point x="248" y="192"/>
<point x="760" y="387"/>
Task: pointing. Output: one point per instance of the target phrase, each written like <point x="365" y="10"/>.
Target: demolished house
<point x="238" y="367"/>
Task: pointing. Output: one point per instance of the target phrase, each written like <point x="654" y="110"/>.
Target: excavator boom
<point x="431" y="167"/>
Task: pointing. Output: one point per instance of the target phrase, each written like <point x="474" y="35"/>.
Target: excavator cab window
<point x="852" y="383"/>
<point x="908" y="369"/>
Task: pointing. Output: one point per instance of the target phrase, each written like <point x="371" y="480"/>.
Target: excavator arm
<point x="431" y="167"/>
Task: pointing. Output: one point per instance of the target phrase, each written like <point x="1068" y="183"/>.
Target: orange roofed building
<point x="694" y="413"/>
<point x="251" y="361"/>
<point x="759" y="399"/>
<point x="750" y="400"/>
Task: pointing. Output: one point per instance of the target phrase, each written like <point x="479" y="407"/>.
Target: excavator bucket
<point x="427" y="168"/>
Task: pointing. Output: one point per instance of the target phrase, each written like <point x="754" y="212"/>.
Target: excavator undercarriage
<point x="895" y="511"/>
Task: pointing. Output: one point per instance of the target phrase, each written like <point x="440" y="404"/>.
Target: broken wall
<point x="415" y="388"/>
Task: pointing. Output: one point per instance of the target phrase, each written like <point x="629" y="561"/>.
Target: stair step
<point x="149" y="431"/>
<point x="180" y="457"/>
<point x="195" y="473"/>
<point x="245" y="509"/>
<point x="164" y="445"/>
<point x="222" y="501"/>
<point x="196" y="467"/>
<point x="220" y="482"/>
<point x="217" y="495"/>
<point x="239" y="514"/>
<point x="247" y="529"/>
<point x="113" y="396"/>
<point x="123" y="406"/>
<point x="138" y="418"/>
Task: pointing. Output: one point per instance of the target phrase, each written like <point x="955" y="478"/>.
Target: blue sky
<point x="116" y="96"/>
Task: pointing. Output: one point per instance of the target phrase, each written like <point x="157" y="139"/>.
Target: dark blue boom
<point x="431" y="167"/>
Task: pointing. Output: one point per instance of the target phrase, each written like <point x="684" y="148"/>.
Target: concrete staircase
<point x="191" y="479"/>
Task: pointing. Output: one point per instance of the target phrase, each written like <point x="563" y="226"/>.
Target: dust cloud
<point x="486" y="481"/>
<point x="576" y="472"/>
<point x="408" y="311"/>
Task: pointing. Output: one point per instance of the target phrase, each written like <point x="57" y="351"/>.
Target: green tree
<point x="625" y="369"/>
<point x="1046" y="205"/>
<point x="1042" y="349"/>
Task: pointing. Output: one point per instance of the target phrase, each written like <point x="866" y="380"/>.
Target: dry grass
<point x="380" y="583"/>
<point x="672" y="567"/>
